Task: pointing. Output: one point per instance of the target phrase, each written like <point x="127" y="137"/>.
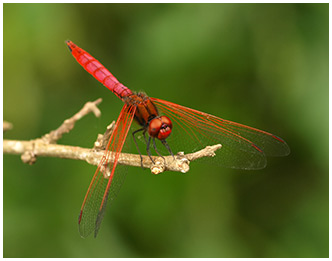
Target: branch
<point x="69" y="124"/>
<point x="7" y="126"/>
<point x="45" y="147"/>
<point x="93" y="157"/>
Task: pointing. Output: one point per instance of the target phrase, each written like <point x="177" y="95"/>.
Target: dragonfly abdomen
<point x="97" y="70"/>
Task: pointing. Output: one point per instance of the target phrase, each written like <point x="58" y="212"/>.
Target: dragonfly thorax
<point x="160" y="127"/>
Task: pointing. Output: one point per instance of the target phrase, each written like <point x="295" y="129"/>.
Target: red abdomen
<point x="97" y="70"/>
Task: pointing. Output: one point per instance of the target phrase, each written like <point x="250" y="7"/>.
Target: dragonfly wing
<point x="244" y="147"/>
<point x="106" y="182"/>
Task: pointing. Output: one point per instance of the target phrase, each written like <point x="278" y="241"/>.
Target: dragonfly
<point x="243" y="147"/>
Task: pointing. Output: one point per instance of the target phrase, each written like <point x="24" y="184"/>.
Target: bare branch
<point x="40" y="148"/>
<point x="46" y="147"/>
<point x="69" y="124"/>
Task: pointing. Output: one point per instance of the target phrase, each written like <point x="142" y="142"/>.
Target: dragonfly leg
<point x="155" y="148"/>
<point x="164" y="142"/>
<point x="148" y="149"/>
<point x="140" y="154"/>
<point x="146" y="141"/>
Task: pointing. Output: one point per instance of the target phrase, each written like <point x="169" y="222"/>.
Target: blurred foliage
<point x="264" y="65"/>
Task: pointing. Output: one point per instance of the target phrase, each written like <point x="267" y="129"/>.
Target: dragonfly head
<point x="160" y="127"/>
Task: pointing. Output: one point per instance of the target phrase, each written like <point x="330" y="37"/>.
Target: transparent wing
<point x="243" y="147"/>
<point x="106" y="182"/>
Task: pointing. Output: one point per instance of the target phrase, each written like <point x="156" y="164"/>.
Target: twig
<point x="69" y="124"/>
<point x="7" y="126"/>
<point x="45" y="147"/>
<point x="181" y="160"/>
<point x="40" y="148"/>
<point x="102" y="140"/>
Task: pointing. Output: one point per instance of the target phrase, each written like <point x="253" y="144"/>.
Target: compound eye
<point x="160" y="127"/>
<point x="166" y="121"/>
<point x="154" y="127"/>
<point x="166" y="128"/>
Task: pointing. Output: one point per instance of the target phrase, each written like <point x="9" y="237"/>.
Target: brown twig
<point x="91" y="156"/>
<point x="102" y="140"/>
<point x="46" y="147"/>
<point x="7" y="126"/>
<point x="69" y="124"/>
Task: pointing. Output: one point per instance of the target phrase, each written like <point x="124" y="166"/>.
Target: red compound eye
<point x="160" y="127"/>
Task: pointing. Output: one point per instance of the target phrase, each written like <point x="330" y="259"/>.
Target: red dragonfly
<point x="243" y="147"/>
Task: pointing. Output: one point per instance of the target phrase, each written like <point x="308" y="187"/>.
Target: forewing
<point x="106" y="181"/>
<point x="243" y="147"/>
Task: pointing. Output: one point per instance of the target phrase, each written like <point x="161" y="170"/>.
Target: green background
<point x="264" y="65"/>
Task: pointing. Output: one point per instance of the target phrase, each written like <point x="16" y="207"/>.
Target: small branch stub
<point x="7" y="126"/>
<point x="28" y="157"/>
<point x="102" y="140"/>
<point x="158" y="167"/>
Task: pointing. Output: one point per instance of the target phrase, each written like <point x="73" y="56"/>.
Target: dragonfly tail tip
<point x="69" y="44"/>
